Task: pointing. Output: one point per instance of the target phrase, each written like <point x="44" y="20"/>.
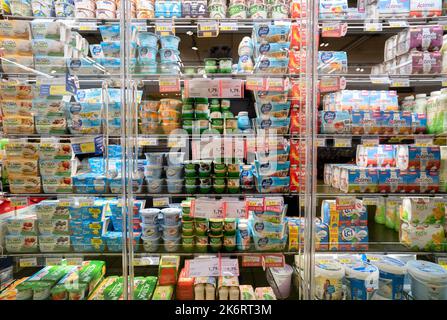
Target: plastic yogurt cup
<point x="154" y="185"/>
<point x="171" y="216"/>
<point x="215" y="243"/>
<point x="147" y="54"/>
<point x="174" y="185"/>
<point x="154" y="158"/>
<point x="169" y="55"/>
<point x="148" y="39"/>
<point x="171" y="231"/>
<point x="200" y="226"/>
<point x="428" y="280"/>
<point x="329" y="275"/>
<point x="150" y="230"/>
<point x="169" y="42"/>
<point x="392" y="273"/>
<point x="229" y="242"/>
<point x="150" y="244"/>
<point x="171" y="245"/>
<point x="153" y="171"/>
<point x="362" y="280"/>
<point x="174" y="172"/>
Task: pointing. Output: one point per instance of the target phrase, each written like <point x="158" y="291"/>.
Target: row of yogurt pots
<point x="378" y="277"/>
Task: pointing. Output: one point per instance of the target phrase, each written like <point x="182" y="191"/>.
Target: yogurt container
<point x="150" y="230"/>
<point x="169" y="68"/>
<point x="283" y="279"/>
<point x="154" y="158"/>
<point x="21" y="8"/>
<point x="147" y="54"/>
<point x="147" y="39"/>
<point x="391" y="276"/>
<point x="106" y="5"/>
<point x="329" y="275"/>
<point x="169" y="55"/>
<point x="174" y="185"/>
<point x="172" y="244"/>
<point x="171" y="216"/>
<point x="361" y="280"/>
<point x="150" y="215"/>
<point x="148" y="67"/>
<point x="175" y="158"/>
<point x="154" y="185"/>
<point x="428" y="280"/>
<point x="171" y="232"/>
<point x="174" y="172"/>
<point x="169" y="42"/>
<point x="153" y="171"/>
<point x="150" y="244"/>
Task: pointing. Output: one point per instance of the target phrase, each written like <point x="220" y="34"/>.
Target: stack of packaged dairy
<point x="369" y="112"/>
<point x="388" y="169"/>
<point x="272" y="110"/>
<point x="348" y="226"/>
<point x="267" y="223"/>
<point x="423" y="223"/>
<point x="332" y="62"/>
<point x="26" y="163"/>
<point x="329" y="9"/>
<point x="413" y="51"/>
<point x="38" y="8"/>
<point x="296" y="227"/>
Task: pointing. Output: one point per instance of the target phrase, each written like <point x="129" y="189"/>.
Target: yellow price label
<point x="58" y="90"/>
<point x="88" y="147"/>
<point x="342" y="143"/>
<point x="28" y="262"/>
<point x="74" y="261"/>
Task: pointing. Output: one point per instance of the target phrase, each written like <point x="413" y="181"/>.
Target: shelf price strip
<point x="373" y="27"/>
<point x="169" y="84"/>
<point x="212" y="267"/>
<point x="208" y="29"/>
<point x="330" y="84"/>
<point x="146" y="261"/>
<point x="165" y="28"/>
<point x="27" y="262"/>
<point x="400" y="82"/>
<point x="398" y="23"/>
<point x="342" y="142"/>
<point x="160" y="202"/>
<point x="334" y="29"/>
<point x="228" y="26"/>
<point x="18" y="201"/>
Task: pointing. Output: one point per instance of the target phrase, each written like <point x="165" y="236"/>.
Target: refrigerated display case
<point x="175" y="149"/>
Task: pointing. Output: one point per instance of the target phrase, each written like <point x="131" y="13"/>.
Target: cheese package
<point x="265" y="293"/>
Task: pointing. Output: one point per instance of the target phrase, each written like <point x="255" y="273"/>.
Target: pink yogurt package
<point x="416" y="62"/>
<point x="425" y="8"/>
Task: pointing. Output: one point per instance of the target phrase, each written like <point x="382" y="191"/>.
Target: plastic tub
<point x="362" y="279"/>
<point x="283" y="279"/>
<point x="391" y="276"/>
<point x="154" y="158"/>
<point x="153" y="171"/>
<point x="150" y="244"/>
<point x="171" y="216"/>
<point x="170" y="232"/>
<point x="172" y="244"/>
<point x="174" y="185"/>
<point x="149" y="67"/>
<point x="329" y="275"/>
<point x="147" y="53"/>
<point x="150" y="230"/>
<point x="175" y="158"/>
<point x="174" y="172"/>
<point x="169" y="42"/>
<point x="428" y="280"/>
<point x="148" y="39"/>
<point x="150" y="215"/>
<point x="154" y="185"/>
<point x="169" y="68"/>
<point x="169" y="55"/>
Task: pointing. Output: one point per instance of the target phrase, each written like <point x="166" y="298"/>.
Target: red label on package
<point x="252" y="261"/>
<point x="273" y="260"/>
<point x="330" y="84"/>
<point x="169" y="84"/>
<point x="345" y="203"/>
<point x="334" y="29"/>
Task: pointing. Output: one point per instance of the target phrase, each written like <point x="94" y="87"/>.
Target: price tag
<point x="444" y="82"/>
<point x="321" y="142"/>
<point x="379" y="79"/>
<point x="87" y="26"/>
<point x="330" y="84"/>
<point x="87" y="147"/>
<point x="370" y="142"/>
<point x="252" y="261"/>
<point x="255" y="84"/>
<point x="207" y="208"/>
<point x="86" y="202"/>
<point x="176" y="142"/>
<point x="160" y="202"/>
<point x="334" y="29"/>
<point x="275" y="84"/>
<point x="205" y="88"/>
<point x="28" y="262"/>
<point x="228" y="26"/>
<point x="66" y="202"/>
<point x="53" y="261"/>
<point x="18" y="201"/>
<point x="345" y="203"/>
<point x="208" y="29"/>
<point x="169" y="84"/>
<point x="148" y="142"/>
<point x="400" y="82"/>
<point x="74" y="261"/>
<point x="231" y="88"/>
<point x="235" y="209"/>
<point x="273" y="261"/>
<point x="370" y="201"/>
<point x="373" y="27"/>
<point x="146" y="261"/>
<point x="398" y="23"/>
<point x="164" y="28"/>
<point x="342" y="142"/>
<point x="423" y="142"/>
<point x="212" y="267"/>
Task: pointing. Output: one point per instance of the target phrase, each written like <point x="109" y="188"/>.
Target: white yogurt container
<point x="150" y="230"/>
<point x="428" y="280"/>
<point x="283" y="279"/>
<point x="170" y="232"/>
<point x="361" y="280"/>
<point x="392" y="273"/>
<point x="171" y="216"/>
<point x="154" y="185"/>
<point x="329" y="275"/>
<point x="171" y="244"/>
<point x="150" y="215"/>
<point x="150" y="244"/>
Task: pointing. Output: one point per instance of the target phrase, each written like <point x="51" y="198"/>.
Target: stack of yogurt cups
<point x="145" y="9"/>
<point x="150" y="229"/>
<point x="42" y="8"/>
<point x="171" y="227"/>
<point x="217" y="9"/>
<point x="173" y="172"/>
<point x="237" y="9"/>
